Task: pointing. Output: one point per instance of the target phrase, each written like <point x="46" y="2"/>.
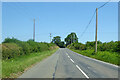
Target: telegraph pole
<point x="34" y="31"/>
<point x="96" y="29"/>
<point x="50" y="37"/>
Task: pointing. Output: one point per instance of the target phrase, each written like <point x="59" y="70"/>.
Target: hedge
<point x="12" y="48"/>
<point x="106" y="46"/>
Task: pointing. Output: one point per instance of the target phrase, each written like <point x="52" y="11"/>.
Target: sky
<point x="60" y="19"/>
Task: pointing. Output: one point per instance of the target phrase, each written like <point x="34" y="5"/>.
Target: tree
<point x="62" y="44"/>
<point x="57" y="40"/>
<point x="71" y="38"/>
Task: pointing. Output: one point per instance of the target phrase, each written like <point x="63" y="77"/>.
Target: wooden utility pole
<point x="96" y="29"/>
<point x="50" y="37"/>
<point x="34" y="31"/>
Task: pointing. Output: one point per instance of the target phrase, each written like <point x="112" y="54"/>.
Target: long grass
<point x="12" y="68"/>
<point x="110" y="57"/>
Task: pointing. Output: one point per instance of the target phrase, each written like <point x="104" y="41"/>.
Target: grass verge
<point x="110" y="57"/>
<point x="12" y="68"/>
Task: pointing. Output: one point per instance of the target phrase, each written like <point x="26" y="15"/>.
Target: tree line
<point x="71" y="38"/>
<point x="71" y="41"/>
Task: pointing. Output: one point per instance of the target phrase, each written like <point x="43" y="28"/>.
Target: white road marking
<point x="82" y="71"/>
<point x="78" y="67"/>
<point x="69" y="56"/>
<point x="72" y="60"/>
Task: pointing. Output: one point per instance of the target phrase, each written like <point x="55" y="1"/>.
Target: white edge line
<point x="82" y="71"/>
<point x="97" y="60"/>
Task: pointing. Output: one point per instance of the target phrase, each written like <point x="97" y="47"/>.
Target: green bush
<point x="106" y="46"/>
<point x="33" y="45"/>
<point x="77" y="46"/>
<point x="10" y="50"/>
<point x="110" y="46"/>
<point x="13" y="47"/>
<point x="43" y="46"/>
<point x="26" y="48"/>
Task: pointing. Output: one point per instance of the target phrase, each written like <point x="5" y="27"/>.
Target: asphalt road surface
<point x="67" y="64"/>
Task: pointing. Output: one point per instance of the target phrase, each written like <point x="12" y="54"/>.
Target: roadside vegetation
<point x="108" y="52"/>
<point x="19" y="55"/>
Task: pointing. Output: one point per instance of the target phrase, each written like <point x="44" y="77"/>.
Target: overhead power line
<point x="92" y="18"/>
<point x="88" y="24"/>
<point x="104" y="4"/>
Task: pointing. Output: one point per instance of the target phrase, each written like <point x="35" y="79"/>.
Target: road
<point x="67" y="64"/>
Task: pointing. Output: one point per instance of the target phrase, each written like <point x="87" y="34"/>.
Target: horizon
<point x="63" y="41"/>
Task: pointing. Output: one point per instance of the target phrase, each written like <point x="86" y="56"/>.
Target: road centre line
<point x="82" y="71"/>
<point x="72" y="60"/>
<point x="78" y="67"/>
<point x="68" y="56"/>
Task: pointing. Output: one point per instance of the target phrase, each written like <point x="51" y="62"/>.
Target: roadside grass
<point x="12" y="68"/>
<point x="110" y="57"/>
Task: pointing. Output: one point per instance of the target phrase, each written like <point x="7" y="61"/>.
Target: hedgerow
<point x="106" y="46"/>
<point x="12" y="48"/>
